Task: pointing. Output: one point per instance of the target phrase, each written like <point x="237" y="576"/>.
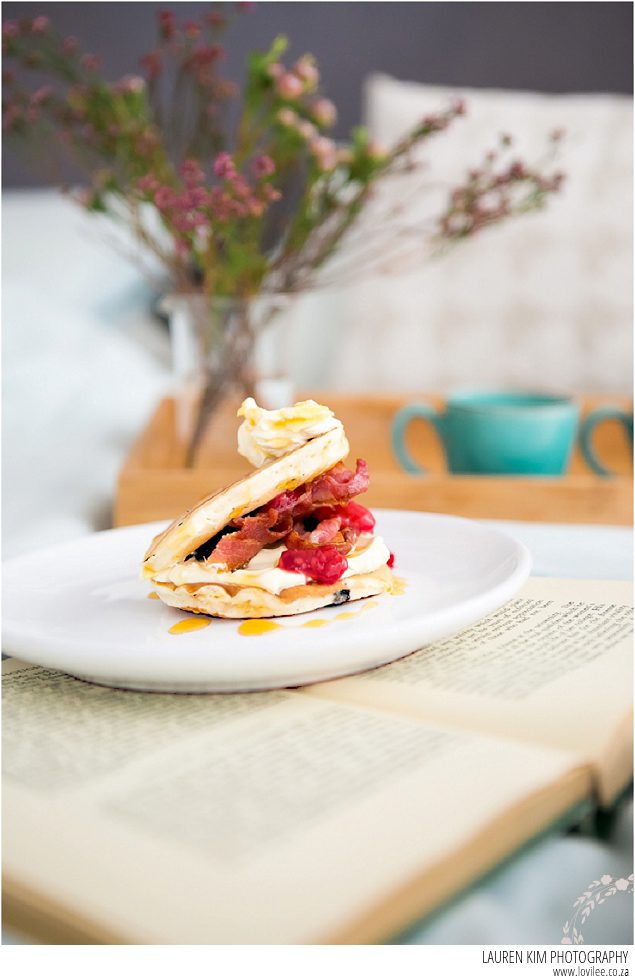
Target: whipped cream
<point x="266" y="435"/>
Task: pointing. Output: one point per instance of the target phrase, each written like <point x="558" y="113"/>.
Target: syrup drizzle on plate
<point x="190" y="624"/>
<point x="256" y="627"/>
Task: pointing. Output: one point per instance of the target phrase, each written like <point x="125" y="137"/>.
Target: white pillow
<point x="544" y="301"/>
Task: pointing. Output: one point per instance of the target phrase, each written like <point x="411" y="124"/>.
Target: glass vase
<point x="224" y="347"/>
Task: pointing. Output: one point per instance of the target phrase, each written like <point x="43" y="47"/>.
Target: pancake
<point x="236" y="602"/>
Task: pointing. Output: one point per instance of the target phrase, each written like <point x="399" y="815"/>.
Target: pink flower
<point x="236" y="208"/>
<point x="185" y="223"/>
<point x="192" y="172"/>
<point x="287" y="117"/>
<point x="276" y="70"/>
<point x="130" y="83"/>
<point x="167" y="26"/>
<point x="10" y="28"/>
<point x="90" y="62"/>
<point x="197" y="197"/>
<point x="325" y="152"/>
<point x="289" y="86"/>
<point x="151" y="63"/>
<point x="10" y="116"/>
<point x="345" y="155"/>
<point x="69" y="44"/>
<point x="206" y="54"/>
<point x="40" y="24"/>
<point x="263" y="166"/>
<point x="255" y="207"/>
<point x="606" y="879"/>
<point x="224" y="167"/>
<point x="240" y="186"/>
<point x="376" y="151"/>
<point x="192" y="29"/>
<point x="554" y="184"/>
<point x="306" y="129"/>
<point x="215" y="19"/>
<point x="220" y="204"/>
<point x="306" y="70"/>
<point x="164" y="198"/>
<point x="324" y="112"/>
<point x="41" y="95"/>
<point x="621" y="884"/>
<point x="517" y="170"/>
<point x="148" y="184"/>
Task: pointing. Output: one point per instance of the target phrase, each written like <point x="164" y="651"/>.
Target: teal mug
<point x="504" y="432"/>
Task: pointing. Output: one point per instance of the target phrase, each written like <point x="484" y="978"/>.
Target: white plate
<point x="82" y="608"/>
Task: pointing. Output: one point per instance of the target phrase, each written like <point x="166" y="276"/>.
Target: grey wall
<point x="551" y="47"/>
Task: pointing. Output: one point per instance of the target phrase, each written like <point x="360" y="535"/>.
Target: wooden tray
<point x="155" y="485"/>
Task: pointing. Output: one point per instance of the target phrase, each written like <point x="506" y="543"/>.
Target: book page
<point x="252" y="818"/>
<point x="552" y="667"/>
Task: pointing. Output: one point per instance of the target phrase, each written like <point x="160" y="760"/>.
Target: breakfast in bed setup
<point x="317" y="614"/>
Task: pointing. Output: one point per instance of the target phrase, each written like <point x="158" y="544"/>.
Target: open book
<point x="335" y="813"/>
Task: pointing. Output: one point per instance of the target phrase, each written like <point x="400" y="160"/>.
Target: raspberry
<point x="322" y="565"/>
<point x="391" y="560"/>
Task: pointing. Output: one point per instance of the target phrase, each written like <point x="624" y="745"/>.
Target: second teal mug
<point x="506" y="432"/>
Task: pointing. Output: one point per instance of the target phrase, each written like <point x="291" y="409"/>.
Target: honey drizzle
<point x="189" y="625"/>
<point x="255" y="627"/>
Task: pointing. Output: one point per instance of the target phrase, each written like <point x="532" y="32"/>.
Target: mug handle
<point x="401" y="421"/>
<point x="586" y="434"/>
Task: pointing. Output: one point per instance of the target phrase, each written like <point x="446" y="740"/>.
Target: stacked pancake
<point x="288" y="538"/>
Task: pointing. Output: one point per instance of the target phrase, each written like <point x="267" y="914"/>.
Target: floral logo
<point x="596" y="894"/>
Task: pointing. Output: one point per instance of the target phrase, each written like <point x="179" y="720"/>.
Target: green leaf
<point x="259" y="61"/>
<point x="360" y="137"/>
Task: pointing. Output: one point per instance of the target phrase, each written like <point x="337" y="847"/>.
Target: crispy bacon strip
<point x="282" y="518"/>
<point x="336" y="486"/>
<point x="254" y="533"/>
